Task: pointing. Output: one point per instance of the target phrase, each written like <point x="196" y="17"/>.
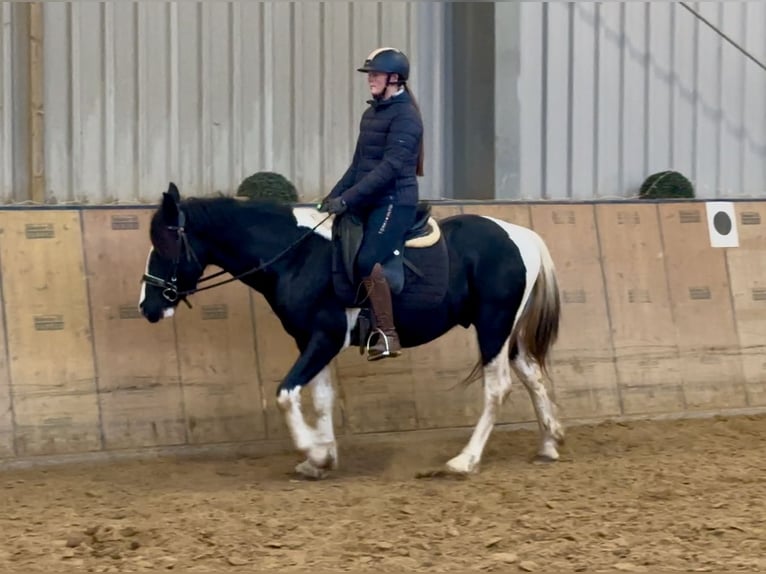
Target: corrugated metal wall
<point x="590" y="98"/>
<point x="610" y="92"/>
<point x="8" y="158"/>
<point x="208" y="93"/>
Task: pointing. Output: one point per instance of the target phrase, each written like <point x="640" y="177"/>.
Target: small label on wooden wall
<point x="129" y="312"/>
<point x="563" y="217"/>
<point x="759" y="294"/>
<point x="699" y="293"/>
<point x="124" y="222"/>
<point x="750" y="218"/>
<point x="49" y="322"/>
<point x="215" y="312"/>
<point x="639" y="296"/>
<point x="628" y="217"/>
<point x="574" y="296"/>
<point x="39" y="231"/>
<point x="689" y="216"/>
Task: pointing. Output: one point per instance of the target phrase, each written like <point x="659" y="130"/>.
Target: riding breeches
<point x="384" y="230"/>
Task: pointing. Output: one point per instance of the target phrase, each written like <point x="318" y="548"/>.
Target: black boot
<point x="379" y="293"/>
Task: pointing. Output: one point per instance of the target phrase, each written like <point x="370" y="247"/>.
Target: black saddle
<point x="348" y="232"/>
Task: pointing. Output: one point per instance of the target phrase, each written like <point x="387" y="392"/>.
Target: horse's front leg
<point x="318" y="444"/>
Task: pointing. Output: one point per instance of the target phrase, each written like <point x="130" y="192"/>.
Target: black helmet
<point x="387" y="60"/>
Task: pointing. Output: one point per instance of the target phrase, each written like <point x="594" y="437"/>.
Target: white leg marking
<point x="318" y="444"/>
<point x="142" y="296"/>
<point x="309" y="217"/>
<point x="551" y="430"/>
<point x="497" y="385"/>
<point x="324" y="452"/>
<point x="351" y="316"/>
<point x="302" y="434"/>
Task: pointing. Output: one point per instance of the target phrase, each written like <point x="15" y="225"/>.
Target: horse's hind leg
<point x="551" y="429"/>
<point x="497" y="385"/>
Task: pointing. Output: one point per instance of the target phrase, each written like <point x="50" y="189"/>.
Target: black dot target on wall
<point x="722" y="224"/>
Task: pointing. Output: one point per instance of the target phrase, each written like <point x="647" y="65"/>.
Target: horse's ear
<point x="170" y="200"/>
<point x="173" y="192"/>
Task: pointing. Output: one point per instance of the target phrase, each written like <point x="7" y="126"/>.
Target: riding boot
<point x="379" y="293"/>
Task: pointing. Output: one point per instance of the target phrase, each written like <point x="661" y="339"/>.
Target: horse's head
<point x="175" y="262"/>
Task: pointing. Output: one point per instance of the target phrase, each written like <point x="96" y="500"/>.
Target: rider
<point x="380" y="186"/>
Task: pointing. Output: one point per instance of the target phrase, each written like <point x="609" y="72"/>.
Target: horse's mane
<point x="223" y="213"/>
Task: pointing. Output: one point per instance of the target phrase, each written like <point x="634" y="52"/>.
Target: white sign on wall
<point x="722" y="224"/>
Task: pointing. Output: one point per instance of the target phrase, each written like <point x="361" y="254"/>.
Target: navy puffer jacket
<point x="383" y="170"/>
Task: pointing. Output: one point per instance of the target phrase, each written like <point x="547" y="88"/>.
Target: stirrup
<point x="382" y="354"/>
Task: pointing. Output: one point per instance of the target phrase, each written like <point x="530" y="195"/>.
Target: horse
<point x="499" y="278"/>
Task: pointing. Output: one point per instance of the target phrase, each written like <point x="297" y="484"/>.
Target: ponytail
<point x="421" y="152"/>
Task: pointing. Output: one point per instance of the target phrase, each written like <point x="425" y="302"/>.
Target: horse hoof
<point x="463" y="464"/>
<point x="308" y="470"/>
<point x="545" y="459"/>
<point x="324" y="456"/>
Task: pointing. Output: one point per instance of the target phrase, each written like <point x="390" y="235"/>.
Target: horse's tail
<point x="537" y="328"/>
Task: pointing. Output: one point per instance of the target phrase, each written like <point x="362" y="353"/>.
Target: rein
<point x="169" y="288"/>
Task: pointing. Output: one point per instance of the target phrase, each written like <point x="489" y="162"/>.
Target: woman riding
<point x="380" y="186"/>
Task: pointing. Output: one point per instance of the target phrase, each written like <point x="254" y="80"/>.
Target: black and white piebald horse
<point x="465" y="270"/>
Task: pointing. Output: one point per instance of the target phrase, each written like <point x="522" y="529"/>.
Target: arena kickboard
<point x="711" y="369"/>
<point x="582" y="368"/>
<point x="47" y="313"/>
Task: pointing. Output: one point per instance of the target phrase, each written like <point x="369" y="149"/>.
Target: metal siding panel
<point x="154" y="107"/>
<point x="281" y="50"/>
<point x="59" y="156"/>
<point x="732" y="143"/>
<point x="530" y="100"/>
<point x="556" y="102"/>
<point x="6" y="103"/>
<point x="583" y="143"/>
<point x="339" y="61"/>
<point x="634" y="98"/>
<point x="708" y="102"/>
<point x="609" y="119"/>
<point x="755" y="102"/>
<point x="218" y="88"/>
<point x="507" y="72"/>
<point x="430" y="77"/>
<point x="659" y="88"/>
<point x="87" y="102"/>
<point x="309" y="85"/>
<point x="684" y="93"/>
<point x="122" y="65"/>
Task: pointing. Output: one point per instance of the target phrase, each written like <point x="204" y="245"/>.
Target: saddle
<point x="348" y="232"/>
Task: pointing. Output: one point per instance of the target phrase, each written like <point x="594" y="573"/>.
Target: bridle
<point x="169" y="286"/>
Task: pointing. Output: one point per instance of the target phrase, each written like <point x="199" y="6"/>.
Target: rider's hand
<point x="336" y="205"/>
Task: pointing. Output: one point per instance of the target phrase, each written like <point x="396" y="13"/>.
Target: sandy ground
<point x="676" y="495"/>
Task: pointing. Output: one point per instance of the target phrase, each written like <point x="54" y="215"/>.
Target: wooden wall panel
<point x="6" y="403"/>
<point x="275" y="353"/>
<point x="702" y="311"/>
<point x="583" y="370"/>
<point x="219" y="374"/>
<point x="136" y="361"/>
<point x="643" y="332"/>
<point x="747" y="275"/>
<point x="49" y="335"/>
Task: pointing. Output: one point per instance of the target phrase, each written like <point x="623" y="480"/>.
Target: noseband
<point x="170" y="286"/>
